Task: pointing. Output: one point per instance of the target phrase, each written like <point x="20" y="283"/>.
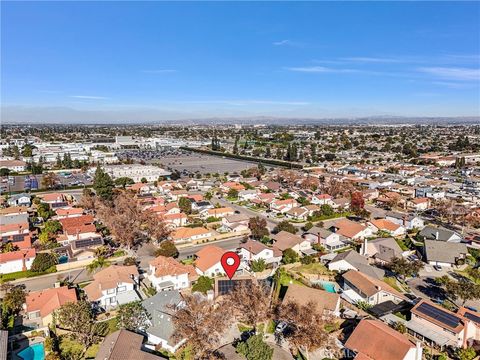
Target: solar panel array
<point x="88" y="242"/>
<point x="225" y="286"/>
<point x="472" y="317"/>
<point x="444" y="317"/>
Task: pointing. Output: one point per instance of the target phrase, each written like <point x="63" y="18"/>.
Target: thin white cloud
<point x="363" y="59"/>
<point x="282" y="42"/>
<point x="452" y="73"/>
<point x="88" y="97"/>
<point x="159" y="71"/>
<point x="454" y="85"/>
<point x="321" y="69"/>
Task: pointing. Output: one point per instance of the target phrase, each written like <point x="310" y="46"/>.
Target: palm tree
<point x="97" y="264"/>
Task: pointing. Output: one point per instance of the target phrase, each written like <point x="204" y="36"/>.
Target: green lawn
<point x="313" y="268"/>
<point x="286" y="279"/>
<point x="392" y="282"/>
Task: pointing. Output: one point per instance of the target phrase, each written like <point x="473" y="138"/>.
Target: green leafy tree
<point x="130" y="261"/>
<point x="290" y="256"/>
<point x="168" y="249"/>
<point x="132" y="316"/>
<point x="44" y="211"/>
<point x="258" y="265"/>
<point x="203" y="284"/>
<point x="465" y="354"/>
<point x="13" y="299"/>
<point x="143" y="180"/>
<point x="232" y="193"/>
<point x="79" y="319"/>
<point x="327" y="210"/>
<point x="308" y="226"/>
<point x="97" y="264"/>
<point x="404" y="268"/>
<point x="52" y="226"/>
<point x="255" y="348"/>
<point x="185" y="205"/>
<point x="103" y="184"/>
<point x="44" y="261"/>
<point x="124" y="181"/>
<point x="285" y="225"/>
<point x="463" y="288"/>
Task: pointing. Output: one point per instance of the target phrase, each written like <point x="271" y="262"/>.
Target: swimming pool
<point x="328" y="286"/>
<point x="33" y="352"/>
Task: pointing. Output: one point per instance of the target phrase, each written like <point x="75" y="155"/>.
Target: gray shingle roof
<point x="442" y="251"/>
<point x="158" y="307"/>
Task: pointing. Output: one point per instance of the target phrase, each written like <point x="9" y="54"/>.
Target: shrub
<point x="44" y="261"/>
<point x="203" y="284"/>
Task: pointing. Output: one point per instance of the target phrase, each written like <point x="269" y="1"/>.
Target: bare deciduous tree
<point x="250" y="303"/>
<point x="201" y="323"/>
<point x="307" y="326"/>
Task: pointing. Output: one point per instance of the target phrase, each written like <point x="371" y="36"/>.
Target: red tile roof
<point x="49" y="300"/>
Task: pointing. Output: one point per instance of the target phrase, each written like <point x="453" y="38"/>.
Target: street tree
<point x="49" y="180"/>
<point x="13" y="299"/>
<point x="167" y="248"/>
<point x="185" y="205"/>
<point x="258" y="227"/>
<point x="285" y="225"/>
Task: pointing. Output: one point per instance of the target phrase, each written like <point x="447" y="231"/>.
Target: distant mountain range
<point x="66" y="115"/>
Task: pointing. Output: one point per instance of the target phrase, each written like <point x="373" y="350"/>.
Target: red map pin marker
<point x="230" y="262"/>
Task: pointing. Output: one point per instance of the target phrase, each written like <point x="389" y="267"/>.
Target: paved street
<point x="228" y="244"/>
<point x="271" y="223"/>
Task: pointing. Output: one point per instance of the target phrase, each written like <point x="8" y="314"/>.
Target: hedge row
<point x="25" y="274"/>
<point x="282" y="163"/>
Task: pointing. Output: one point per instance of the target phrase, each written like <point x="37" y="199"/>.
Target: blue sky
<point x="180" y="59"/>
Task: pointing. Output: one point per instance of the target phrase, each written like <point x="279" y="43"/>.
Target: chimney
<point x="418" y="350"/>
<point x="24" y="265"/>
<point x="465" y="333"/>
<point x="364" y="250"/>
<point x="56" y="285"/>
<point x="436" y="235"/>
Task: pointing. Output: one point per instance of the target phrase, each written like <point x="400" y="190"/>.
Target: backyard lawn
<point x="313" y="268"/>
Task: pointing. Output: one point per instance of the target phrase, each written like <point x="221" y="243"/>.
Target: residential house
<point x="440" y="234"/>
<point x="55" y="200"/>
<point x="408" y="221"/>
<point x="207" y="261"/>
<point x="201" y="205"/>
<point x="40" y="305"/>
<point x="439" y="327"/>
<point x="160" y="329"/>
<point x="443" y="253"/>
<point x="229" y="185"/>
<point x="383" y="250"/>
<point x="283" y="206"/>
<point x="341" y="203"/>
<point x="235" y="223"/>
<point x="352" y="260"/>
<point x="217" y="212"/>
<point x="351" y="230"/>
<point x="185" y="234"/>
<point x="68" y="212"/>
<point x="375" y="340"/>
<point x="285" y="240"/>
<point x="255" y="250"/>
<point x="175" y="220"/>
<point x="329" y="240"/>
<point x="419" y="204"/>
<point x="325" y="302"/>
<point x="166" y="273"/>
<point x="112" y="286"/>
<point x="124" y="344"/>
<point x="322" y="199"/>
<point x="359" y="287"/>
<point x="19" y="200"/>
<point x="13" y="165"/>
<point x="386" y="226"/>
<point x="14" y="261"/>
<point x="297" y="213"/>
<point x="247" y="195"/>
